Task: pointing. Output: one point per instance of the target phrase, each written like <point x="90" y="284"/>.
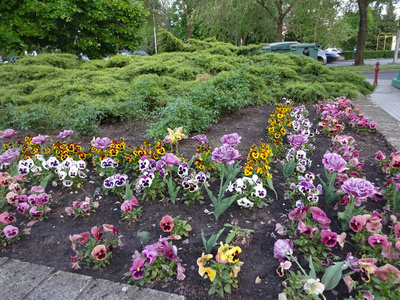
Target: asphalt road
<point x="382" y="75"/>
<point x="367" y="62"/>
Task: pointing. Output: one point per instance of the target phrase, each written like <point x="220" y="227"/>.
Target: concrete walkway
<point x="383" y="107"/>
<point x="22" y="280"/>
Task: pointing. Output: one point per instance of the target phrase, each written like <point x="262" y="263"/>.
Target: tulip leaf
<point x="128" y="192"/>
<point x="223" y="205"/>
<point x="332" y="276"/>
<point x="312" y="268"/>
<point x="396" y="199"/>
<point x="289" y="167"/>
<point x="210" y="243"/>
<point x="271" y="186"/>
<point x="144" y="237"/>
<point x="45" y="181"/>
<point x="212" y="197"/>
<point x="230" y="237"/>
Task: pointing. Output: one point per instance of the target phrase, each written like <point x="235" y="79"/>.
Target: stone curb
<point x="22" y="280"/>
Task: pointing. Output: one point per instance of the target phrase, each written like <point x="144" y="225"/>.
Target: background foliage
<point x="191" y="88"/>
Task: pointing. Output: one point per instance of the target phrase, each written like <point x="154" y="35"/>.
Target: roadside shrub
<point x="358" y="81"/>
<point x="303" y="91"/>
<point x="179" y="112"/>
<point x="223" y="94"/>
<point x="167" y="42"/>
<point x="334" y="90"/>
<point x="118" y="61"/>
<point x="63" y="61"/>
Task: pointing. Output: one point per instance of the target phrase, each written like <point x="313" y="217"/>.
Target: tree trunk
<point x="279" y="35"/>
<point x="362" y="32"/>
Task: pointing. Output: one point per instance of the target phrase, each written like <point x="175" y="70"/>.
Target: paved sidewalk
<point x="383" y="107"/>
<point x="22" y="280"/>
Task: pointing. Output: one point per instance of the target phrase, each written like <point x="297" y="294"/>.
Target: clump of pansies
<point x="223" y="271"/>
<point x="82" y="208"/>
<point x="158" y="261"/>
<point x="8" y="232"/>
<point x="279" y="122"/>
<point x="177" y="227"/>
<point x="95" y="248"/>
<point x="131" y="209"/>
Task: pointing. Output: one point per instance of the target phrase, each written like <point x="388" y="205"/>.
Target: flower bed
<point x="110" y="182"/>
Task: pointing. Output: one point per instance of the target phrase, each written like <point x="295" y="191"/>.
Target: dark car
<point x="331" y="56"/>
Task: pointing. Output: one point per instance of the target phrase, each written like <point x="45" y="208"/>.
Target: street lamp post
<point x="396" y="51"/>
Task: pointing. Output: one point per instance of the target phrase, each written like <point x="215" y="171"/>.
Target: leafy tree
<point x="278" y="10"/>
<point x="228" y="21"/>
<point x="95" y="28"/>
<point x="309" y="23"/>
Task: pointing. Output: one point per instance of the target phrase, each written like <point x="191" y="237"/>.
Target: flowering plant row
<point x="371" y="271"/>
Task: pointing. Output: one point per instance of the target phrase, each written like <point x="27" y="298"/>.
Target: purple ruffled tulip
<point x="101" y="143"/>
<point x="8" y="156"/>
<point x="358" y="187"/>
<point x="225" y="154"/>
<point x="202" y="138"/>
<point x="40" y="139"/>
<point x="297" y="140"/>
<point x="8" y="133"/>
<point x="282" y="249"/>
<point x="334" y="162"/>
<point x="230" y="140"/>
<point x="64" y="134"/>
<point x="170" y="159"/>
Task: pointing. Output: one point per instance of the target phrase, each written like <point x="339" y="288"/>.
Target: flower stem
<point x="301" y="268"/>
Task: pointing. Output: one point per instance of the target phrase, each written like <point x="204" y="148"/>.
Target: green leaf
<point x="271" y="186"/>
<point x="128" y="192"/>
<point x="396" y="199"/>
<point x="223" y="205"/>
<point x="227" y="288"/>
<point x="332" y="276"/>
<point x="312" y="268"/>
<point x="230" y="237"/>
<point x="144" y="237"/>
<point x="212" y="197"/>
<point x="46" y="180"/>
<point x="289" y="167"/>
<point x="211" y="291"/>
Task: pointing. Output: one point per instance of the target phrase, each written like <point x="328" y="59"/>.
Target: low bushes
<point x="125" y="87"/>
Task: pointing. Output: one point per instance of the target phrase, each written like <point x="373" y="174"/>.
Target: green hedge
<point x="370" y="54"/>
<point x="54" y="91"/>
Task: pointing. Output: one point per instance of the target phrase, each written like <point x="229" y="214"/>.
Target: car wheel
<point x="320" y="59"/>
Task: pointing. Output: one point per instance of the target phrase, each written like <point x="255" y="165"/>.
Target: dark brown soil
<point x="49" y="244"/>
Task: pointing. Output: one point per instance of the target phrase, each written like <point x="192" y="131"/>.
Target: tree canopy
<point x="95" y="28"/>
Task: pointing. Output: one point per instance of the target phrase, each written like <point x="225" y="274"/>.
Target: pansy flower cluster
<point x="279" y="122"/>
<point x="258" y="162"/>
<point x="223" y="271"/>
<point x="131" y="209"/>
<point x="158" y="261"/>
<point x="82" y="208"/>
<point x="334" y="113"/>
<point x="250" y="190"/>
<point x="95" y="248"/>
<point x="35" y="204"/>
<point x="8" y="232"/>
<point x="203" y="159"/>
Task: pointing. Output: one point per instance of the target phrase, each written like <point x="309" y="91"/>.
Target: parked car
<point x="334" y="50"/>
<point x="331" y="57"/>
